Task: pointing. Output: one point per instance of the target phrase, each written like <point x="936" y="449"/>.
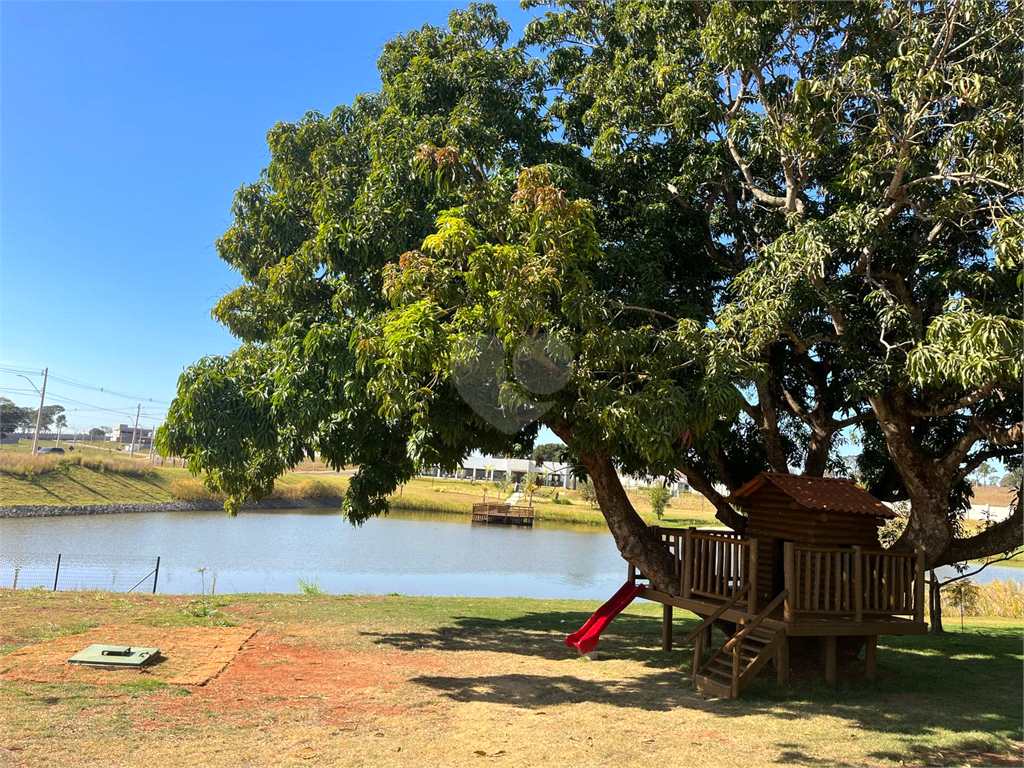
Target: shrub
<point x="193" y="489"/>
<point x="998" y="598"/>
<point x="28" y="466"/>
<point x="310" y="489"/>
<point x="660" y="496"/>
<point x="587" y="492"/>
<point x="311" y="587"/>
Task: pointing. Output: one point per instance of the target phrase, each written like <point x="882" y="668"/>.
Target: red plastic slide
<point x="585" y="638"/>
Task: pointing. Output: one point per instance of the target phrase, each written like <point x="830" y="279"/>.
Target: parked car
<point x="49" y="450"/>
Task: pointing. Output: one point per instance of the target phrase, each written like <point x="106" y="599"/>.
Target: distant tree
<point x="587" y="492"/>
<point x="50" y="412"/>
<point x="12" y="417"/>
<point x="61" y="421"/>
<point x="530" y="484"/>
<point x="984" y="474"/>
<point x="660" y="497"/>
<point x="98" y="433"/>
<point x="548" y="452"/>
<point x="1011" y="479"/>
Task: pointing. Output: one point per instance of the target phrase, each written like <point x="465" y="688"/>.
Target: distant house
<point x="551" y="473"/>
<point x="123" y="434"/>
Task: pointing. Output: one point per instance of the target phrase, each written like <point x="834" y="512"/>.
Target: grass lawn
<point x="345" y="680"/>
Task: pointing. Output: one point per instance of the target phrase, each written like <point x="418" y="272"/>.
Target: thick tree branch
<point x="945" y="410"/>
<point x="723" y="510"/>
<point x="994" y="540"/>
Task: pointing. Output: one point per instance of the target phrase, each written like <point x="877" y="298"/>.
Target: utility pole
<point x="135" y="431"/>
<point x="39" y="414"/>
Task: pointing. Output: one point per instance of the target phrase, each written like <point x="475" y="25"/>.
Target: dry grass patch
<point x="423" y="681"/>
<point x="189" y="655"/>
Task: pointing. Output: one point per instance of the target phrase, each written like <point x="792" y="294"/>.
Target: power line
<point x="82" y="385"/>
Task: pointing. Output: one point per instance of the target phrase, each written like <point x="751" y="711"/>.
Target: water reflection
<point x="270" y="551"/>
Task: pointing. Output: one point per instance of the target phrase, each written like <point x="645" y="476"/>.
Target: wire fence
<point x="71" y="572"/>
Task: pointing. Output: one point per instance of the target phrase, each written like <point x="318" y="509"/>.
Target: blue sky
<point x="124" y="131"/>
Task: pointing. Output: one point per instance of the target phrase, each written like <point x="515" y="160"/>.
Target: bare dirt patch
<point x="269" y="675"/>
<point x="191" y="655"/>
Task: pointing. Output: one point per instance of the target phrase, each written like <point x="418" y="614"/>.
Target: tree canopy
<point x="705" y="239"/>
<point x="13" y="417"/>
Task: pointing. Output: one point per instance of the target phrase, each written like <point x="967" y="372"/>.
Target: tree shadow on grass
<point x="541" y="635"/>
<point x="88" y="488"/>
<point x="928" y="685"/>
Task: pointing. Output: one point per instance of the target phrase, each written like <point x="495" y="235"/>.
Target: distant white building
<point x="552" y="473"/>
<point x="123" y="434"/>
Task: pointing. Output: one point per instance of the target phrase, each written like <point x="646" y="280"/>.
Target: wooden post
<point x="789" y="565"/>
<point x="870" y="655"/>
<point x="698" y="650"/>
<point x="666" y="627"/>
<point x="688" y="558"/>
<point x="752" y="547"/>
<point x="736" y="671"/>
<point x="631" y="574"/>
<point x="919" y="577"/>
<point x="782" y="662"/>
<point x="858" y="585"/>
<point x="830" y="659"/>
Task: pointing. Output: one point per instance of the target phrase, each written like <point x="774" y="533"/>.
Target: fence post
<point x="752" y="575"/>
<point x="156" y="573"/>
<point x="858" y="584"/>
<point x="687" y="576"/>
<point x="56" y="574"/>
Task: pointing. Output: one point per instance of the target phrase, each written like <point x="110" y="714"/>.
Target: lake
<point x="271" y="551"/>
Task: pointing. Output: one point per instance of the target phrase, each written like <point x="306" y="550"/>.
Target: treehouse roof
<point x="825" y="494"/>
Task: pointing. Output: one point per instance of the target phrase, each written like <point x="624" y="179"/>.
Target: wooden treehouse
<point x="503" y="514"/>
<point x="807" y="582"/>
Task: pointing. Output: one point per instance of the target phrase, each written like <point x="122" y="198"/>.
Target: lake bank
<point x="407" y="681"/>
<point x="42" y="510"/>
<point x="78" y="489"/>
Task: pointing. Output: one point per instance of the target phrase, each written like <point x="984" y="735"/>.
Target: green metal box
<point x="115" y="655"/>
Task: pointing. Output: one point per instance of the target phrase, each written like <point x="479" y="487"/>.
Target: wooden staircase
<point x="729" y="670"/>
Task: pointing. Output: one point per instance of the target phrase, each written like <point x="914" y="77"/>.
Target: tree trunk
<point x="935" y="604"/>
<point x="928" y="486"/>
<point x="637" y="543"/>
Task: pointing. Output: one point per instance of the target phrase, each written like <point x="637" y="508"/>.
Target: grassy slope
<point x="83" y="486"/>
<point x="493" y="675"/>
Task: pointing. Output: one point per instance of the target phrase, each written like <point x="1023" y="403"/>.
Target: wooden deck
<point x="802" y="625"/>
<point x="503" y="514"/>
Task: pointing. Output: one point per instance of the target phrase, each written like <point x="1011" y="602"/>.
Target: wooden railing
<point x="836" y="580"/>
<point x="482" y="511"/>
<point x="714" y="564"/>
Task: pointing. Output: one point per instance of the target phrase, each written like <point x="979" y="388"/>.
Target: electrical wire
<point x="82" y="385"/>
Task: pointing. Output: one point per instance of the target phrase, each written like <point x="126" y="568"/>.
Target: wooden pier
<point x="503" y="514"/>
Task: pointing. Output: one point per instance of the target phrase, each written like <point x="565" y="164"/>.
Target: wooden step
<point x="706" y="684"/>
